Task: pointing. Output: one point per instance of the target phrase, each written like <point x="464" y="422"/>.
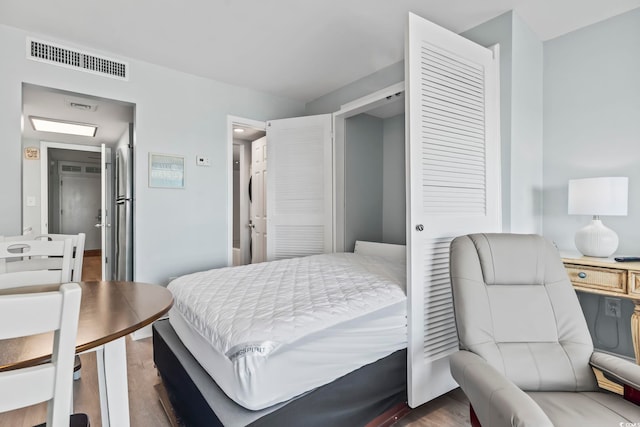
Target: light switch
<point x="31" y="201"/>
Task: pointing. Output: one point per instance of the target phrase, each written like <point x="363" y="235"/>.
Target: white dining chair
<point x="34" y="313"/>
<point x="34" y="262"/>
<point x="77" y="250"/>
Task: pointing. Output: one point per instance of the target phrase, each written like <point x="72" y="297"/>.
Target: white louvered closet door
<point x="299" y="187"/>
<point x="453" y="185"/>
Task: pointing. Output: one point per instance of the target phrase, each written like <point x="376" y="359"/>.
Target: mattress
<point x="269" y="332"/>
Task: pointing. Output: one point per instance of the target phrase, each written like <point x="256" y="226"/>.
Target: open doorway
<point x="248" y="143"/>
<point x="68" y="181"/>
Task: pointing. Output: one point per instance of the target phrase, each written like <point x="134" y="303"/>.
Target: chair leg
<point x="473" y="417"/>
<point x="77" y="365"/>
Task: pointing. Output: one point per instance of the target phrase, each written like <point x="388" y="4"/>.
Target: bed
<point x="319" y="340"/>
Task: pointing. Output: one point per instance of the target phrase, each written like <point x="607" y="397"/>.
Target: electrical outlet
<point x="612" y="306"/>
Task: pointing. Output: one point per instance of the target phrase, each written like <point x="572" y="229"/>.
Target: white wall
<point x="176" y="231"/>
<point x="592" y="122"/>
<point x="31" y="185"/>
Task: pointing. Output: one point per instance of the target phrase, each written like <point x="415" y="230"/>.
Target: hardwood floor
<point x="451" y="409"/>
<point x="91" y="267"/>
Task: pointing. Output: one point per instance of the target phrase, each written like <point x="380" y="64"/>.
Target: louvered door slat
<point x="453" y="185"/>
<point x="299" y="185"/>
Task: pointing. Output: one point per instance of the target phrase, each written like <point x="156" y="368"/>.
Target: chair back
<point x="34" y="262"/>
<point x="35" y="313"/>
<point x="77" y="243"/>
<point x="515" y="307"/>
<point x="77" y="251"/>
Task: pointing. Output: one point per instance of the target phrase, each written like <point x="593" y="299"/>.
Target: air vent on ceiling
<point x="71" y="58"/>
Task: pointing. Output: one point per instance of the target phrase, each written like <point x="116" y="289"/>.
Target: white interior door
<point x="453" y="187"/>
<point x="299" y="187"/>
<point x="80" y="202"/>
<point x="258" y="200"/>
<point x="105" y="212"/>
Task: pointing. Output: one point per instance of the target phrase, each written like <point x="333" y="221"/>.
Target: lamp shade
<point x="598" y="196"/>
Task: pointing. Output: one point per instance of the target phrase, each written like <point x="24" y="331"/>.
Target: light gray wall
<point x="176" y="231"/>
<point x="363" y="180"/>
<point x="526" y="130"/>
<point x="520" y="119"/>
<point x="592" y="122"/>
<point x="591" y="129"/>
<point x="332" y="101"/>
<point x="394" y="200"/>
<point x="500" y="30"/>
<point x="31" y="185"/>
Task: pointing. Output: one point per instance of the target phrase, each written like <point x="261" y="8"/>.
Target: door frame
<point x="350" y="109"/>
<point x="235" y="120"/>
<point x="105" y="178"/>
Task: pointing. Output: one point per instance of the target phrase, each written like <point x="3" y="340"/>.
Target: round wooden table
<point x="109" y="310"/>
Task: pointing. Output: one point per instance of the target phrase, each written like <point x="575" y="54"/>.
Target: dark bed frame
<point x="377" y="391"/>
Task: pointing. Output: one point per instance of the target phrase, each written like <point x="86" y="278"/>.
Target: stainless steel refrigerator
<point x="123" y="266"/>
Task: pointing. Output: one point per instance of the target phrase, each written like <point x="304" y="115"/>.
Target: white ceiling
<point x="296" y="49"/>
<point x="111" y="117"/>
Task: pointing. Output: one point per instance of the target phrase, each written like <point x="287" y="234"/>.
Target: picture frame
<point x="166" y="170"/>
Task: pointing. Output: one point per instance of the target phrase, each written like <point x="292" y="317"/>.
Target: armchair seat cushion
<point x="586" y="409"/>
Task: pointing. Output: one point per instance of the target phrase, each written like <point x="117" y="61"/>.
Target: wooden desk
<point x="108" y="312"/>
<point x="605" y="276"/>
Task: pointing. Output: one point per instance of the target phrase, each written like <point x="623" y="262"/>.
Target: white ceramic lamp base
<point x="596" y="240"/>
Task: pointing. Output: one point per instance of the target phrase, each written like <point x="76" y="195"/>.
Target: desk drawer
<point x="634" y="285"/>
<point x="604" y="279"/>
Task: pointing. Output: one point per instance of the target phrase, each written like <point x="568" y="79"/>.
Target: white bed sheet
<point x="317" y="338"/>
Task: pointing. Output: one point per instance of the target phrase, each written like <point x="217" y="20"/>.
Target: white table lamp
<point x="598" y="196"/>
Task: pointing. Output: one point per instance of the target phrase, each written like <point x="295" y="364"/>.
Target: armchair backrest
<point x="515" y="307"/>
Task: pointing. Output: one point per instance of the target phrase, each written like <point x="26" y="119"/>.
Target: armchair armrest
<point x="496" y="400"/>
<point x="621" y="371"/>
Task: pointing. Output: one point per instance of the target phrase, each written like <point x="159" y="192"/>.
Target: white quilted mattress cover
<point x="252" y="313"/>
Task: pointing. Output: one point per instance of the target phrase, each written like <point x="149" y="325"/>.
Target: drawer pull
<point x="582" y="275"/>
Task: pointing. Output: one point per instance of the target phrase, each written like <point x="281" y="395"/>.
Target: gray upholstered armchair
<point x="526" y="355"/>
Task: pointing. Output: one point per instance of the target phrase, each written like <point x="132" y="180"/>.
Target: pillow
<point x="387" y="250"/>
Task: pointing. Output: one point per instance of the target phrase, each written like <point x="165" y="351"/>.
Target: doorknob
<point x="98" y="225"/>
<point x="419" y="227"/>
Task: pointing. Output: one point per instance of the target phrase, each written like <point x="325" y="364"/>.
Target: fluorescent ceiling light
<point x="238" y="130"/>
<point x="59" y="126"/>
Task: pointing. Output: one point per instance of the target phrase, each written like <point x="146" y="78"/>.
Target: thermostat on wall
<point x="203" y="161"/>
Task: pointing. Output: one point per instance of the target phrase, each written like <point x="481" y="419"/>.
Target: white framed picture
<point x="166" y="170"/>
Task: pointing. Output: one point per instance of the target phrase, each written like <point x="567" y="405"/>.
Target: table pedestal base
<point x="112" y="382"/>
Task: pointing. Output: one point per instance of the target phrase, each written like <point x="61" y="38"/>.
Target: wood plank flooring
<point x="91" y="267"/>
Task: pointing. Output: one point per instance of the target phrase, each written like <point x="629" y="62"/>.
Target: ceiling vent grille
<point x="69" y="58"/>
